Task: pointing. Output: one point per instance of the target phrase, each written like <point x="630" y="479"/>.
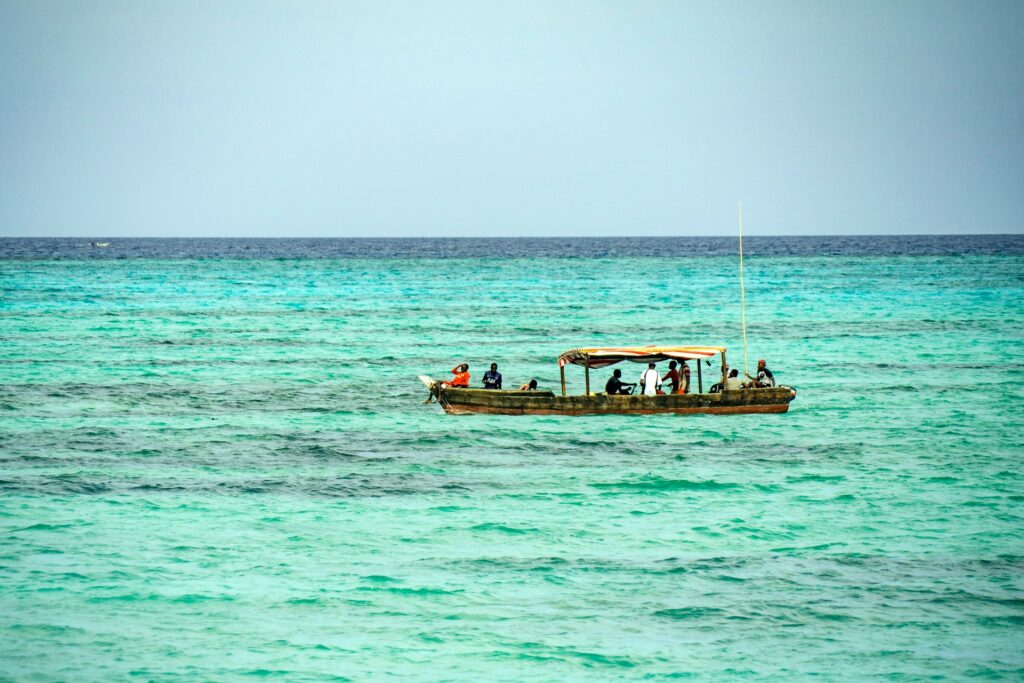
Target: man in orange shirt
<point x="461" y="373"/>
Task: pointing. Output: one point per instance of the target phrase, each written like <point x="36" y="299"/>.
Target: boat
<point x="100" y="244"/>
<point x="459" y="400"/>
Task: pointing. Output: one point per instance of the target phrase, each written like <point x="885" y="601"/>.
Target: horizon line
<point x="501" y="237"/>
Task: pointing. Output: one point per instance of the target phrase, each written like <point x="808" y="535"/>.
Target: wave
<point x="655" y="484"/>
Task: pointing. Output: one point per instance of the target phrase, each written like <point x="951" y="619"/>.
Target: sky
<point x="396" y="119"/>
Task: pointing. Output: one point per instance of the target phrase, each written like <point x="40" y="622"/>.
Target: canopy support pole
<point x="700" y="382"/>
<point x="586" y="373"/>
<point x="561" y="368"/>
<point x="724" y="370"/>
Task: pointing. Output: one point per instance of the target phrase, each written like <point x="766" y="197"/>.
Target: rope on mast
<point x="743" y="295"/>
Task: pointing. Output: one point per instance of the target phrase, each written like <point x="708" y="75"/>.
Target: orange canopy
<point x="599" y="358"/>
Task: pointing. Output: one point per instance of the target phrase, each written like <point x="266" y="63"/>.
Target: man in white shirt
<point x="650" y="380"/>
<point x="733" y="381"/>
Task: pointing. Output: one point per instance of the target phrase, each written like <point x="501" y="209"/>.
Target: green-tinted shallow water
<point x="221" y="469"/>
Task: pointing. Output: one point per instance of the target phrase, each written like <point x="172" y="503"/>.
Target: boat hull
<point x="467" y="401"/>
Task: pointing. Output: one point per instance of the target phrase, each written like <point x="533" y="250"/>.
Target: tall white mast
<point x="743" y="295"/>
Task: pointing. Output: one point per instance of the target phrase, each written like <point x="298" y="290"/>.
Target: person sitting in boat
<point x="716" y="388"/>
<point x="615" y="385"/>
<point x="529" y="386"/>
<point x="461" y="373"/>
<point x="733" y="381"/>
<point x="492" y="378"/>
<point x="764" y="378"/>
<point x="650" y="381"/>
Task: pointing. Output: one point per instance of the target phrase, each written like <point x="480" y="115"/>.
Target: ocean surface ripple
<point x="216" y="463"/>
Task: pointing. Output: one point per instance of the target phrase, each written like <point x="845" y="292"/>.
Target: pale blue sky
<point x="226" y="118"/>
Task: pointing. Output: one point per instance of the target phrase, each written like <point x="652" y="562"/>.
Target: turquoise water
<point x="216" y="469"/>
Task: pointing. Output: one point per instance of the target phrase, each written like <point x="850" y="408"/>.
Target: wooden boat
<point x="456" y="400"/>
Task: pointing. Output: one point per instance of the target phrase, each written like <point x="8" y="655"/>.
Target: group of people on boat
<point x="651" y="383"/>
<point x="678" y="379"/>
<point x="492" y="378"/>
<point x="764" y="379"/>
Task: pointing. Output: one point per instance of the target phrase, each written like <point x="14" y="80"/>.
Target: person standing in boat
<point x="764" y="378"/>
<point x="650" y="381"/>
<point x="672" y="376"/>
<point x="684" y="378"/>
<point x="461" y="373"/>
<point x="492" y="378"/>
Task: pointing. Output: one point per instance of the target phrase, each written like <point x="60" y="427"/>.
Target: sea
<point x="216" y="462"/>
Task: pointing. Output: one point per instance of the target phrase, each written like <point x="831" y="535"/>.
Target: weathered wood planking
<point x="460" y="401"/>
